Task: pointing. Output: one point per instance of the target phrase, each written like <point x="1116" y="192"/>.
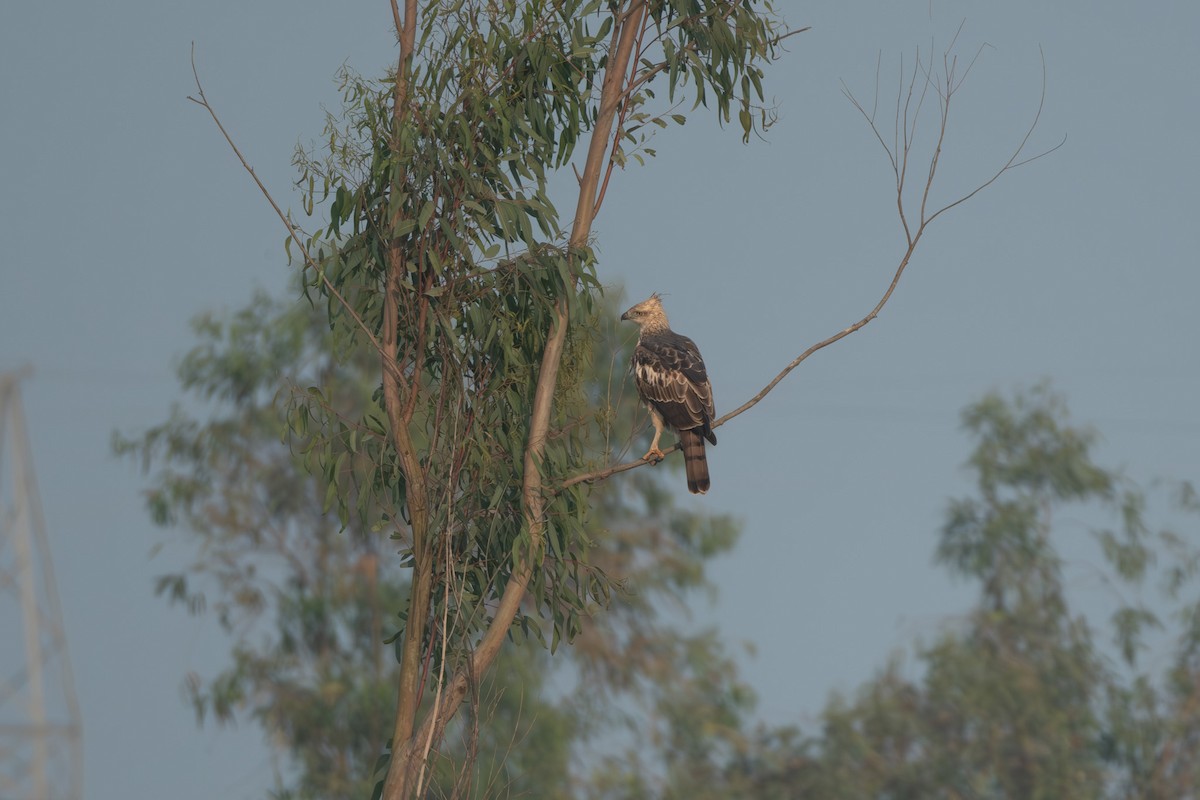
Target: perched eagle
<point x="672" y="381"/>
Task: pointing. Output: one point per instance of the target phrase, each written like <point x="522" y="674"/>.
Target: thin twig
<point x="293" y="233"/>
<point x="1012" y="162"/>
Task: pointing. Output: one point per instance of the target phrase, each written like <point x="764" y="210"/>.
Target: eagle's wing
<point x="670" y="376"/>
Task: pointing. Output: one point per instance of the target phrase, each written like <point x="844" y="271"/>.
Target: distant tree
<point x="1021" y="698"/>
<point x="306" y="603"/>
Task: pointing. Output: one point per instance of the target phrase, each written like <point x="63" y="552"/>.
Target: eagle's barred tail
<point x="694" y="461"/>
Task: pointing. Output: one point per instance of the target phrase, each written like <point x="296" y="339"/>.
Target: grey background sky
<point x="123" y="215"/>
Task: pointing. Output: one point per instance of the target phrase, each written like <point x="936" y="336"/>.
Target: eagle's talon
<point x="654" y="455"/>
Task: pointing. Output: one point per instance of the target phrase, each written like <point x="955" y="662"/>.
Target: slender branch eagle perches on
<point x="672" y="382"/>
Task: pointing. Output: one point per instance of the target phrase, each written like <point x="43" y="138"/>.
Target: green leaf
<point x="426" y="213"/>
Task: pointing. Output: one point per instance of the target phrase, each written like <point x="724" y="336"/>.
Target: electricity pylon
<point x="41" y="753"/>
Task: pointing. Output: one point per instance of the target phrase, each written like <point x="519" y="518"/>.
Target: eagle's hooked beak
<point x="625" y="316"/>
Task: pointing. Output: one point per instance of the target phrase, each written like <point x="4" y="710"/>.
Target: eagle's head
<point x="648" y="314"/>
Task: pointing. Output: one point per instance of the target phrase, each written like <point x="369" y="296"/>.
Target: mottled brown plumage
<point x="671" y="379"/>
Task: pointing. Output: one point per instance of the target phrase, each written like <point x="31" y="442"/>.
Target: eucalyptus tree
<point x="444" y="251"/>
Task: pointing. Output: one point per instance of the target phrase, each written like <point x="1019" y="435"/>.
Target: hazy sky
<point x="123" y="215"/>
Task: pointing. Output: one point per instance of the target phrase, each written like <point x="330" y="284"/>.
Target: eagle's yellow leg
<point x="654" y="455"/>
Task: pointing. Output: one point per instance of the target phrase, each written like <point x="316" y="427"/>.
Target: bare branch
<point x="870" y="118"/>
<point x="898" y="154"/>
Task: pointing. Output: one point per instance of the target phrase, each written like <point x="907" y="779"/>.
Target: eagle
<point x="673" y="383"/>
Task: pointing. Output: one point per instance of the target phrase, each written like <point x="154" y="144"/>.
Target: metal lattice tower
<point x="41" y="753"/>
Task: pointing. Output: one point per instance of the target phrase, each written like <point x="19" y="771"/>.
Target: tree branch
<point x="402" y="774"/>
<point x="624" y="112"/>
